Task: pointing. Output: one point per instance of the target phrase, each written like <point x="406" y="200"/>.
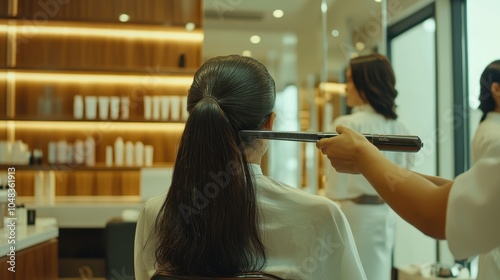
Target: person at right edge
<point x="371" y="93"/>
<point x="463" y="211"/>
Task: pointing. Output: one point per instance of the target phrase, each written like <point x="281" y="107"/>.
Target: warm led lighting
<point x="33" y="77"/>
<point x="360" y="46"/>
<point x="335" y="33"/>
<point x="101" y="126"/>
<point x="378" y="1"/>
<point x="255" y="39"/>
<point x="246" y="53"/>
<point x="190" y="26"/>
<point x="278" y="13"/>
<point x="124" y="18"/>
<point x="335" y="88"/>
<point x="78" y="31"/>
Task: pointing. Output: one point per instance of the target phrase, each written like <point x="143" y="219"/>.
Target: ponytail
<point x="208" y="225"/>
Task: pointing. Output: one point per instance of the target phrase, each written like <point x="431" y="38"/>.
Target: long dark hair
<point x="208" y="224"/>
<point x="374" y="79"/>
<point x="490" y="75"/>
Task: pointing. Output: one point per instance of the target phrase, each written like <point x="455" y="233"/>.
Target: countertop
<point x="84" y="212"/>
<point x="26" y="236"/>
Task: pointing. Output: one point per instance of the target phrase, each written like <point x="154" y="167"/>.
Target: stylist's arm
<point x="414" y="198"/>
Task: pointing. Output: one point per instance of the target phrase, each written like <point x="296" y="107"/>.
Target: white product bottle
<point x="78" y="107"/>
<point x="22" y="216"/>
<point x="4" y="200"/>
<point x="109" y="156"/>
<point x="125" y="107"/>
<point x="62" y="151"/>
<point x="52" y="157"/>
<point x="165" y="107"/>
<point x="115" y="107"/>
<point x="90" y="151"/>
<point x="129" y="153"/>
<point x="184" y="111"/>
<point x="119" y="150"/>
<point x="147" y="107"/>
<point x="156" y="107"/>
<point x="139" y="153"/>
<point x="91" y="107"/>
<point x="79" y="153"/>
<point x="39" y="187"/>
<point x="148" y="155"/>
<point x="50" y="187"/>
<point x="103" y="107"/>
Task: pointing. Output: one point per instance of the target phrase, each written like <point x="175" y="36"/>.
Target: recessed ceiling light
<point x="246" y="53"/>
<point x="335" y="33"/>
<point x="255" y="39"/>
<point x="360" y="46"/>
<point x="378" y="1"/>
<point x="124" y="18"/>
<point x="278" y="13"/>
<point x="324" y="7"/>
<point x="190" y="26"/>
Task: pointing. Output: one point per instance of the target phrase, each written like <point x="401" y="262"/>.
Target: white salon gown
<point x="373" y="226"/>
<point x="306" y="236"/>
<point x="473" y="212"/>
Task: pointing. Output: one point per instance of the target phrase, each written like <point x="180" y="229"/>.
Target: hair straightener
<point x="396" y="143"/>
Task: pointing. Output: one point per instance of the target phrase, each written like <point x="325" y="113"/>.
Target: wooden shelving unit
<point x="50" y="54"/>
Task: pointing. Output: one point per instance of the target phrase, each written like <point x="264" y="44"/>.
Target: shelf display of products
<point x="72" y="86"/>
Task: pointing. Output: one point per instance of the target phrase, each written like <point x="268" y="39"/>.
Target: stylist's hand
<point x="345" y="151"/>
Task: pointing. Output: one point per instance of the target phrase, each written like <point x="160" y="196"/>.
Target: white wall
<point x="413" y="59"/>
<point x="483" y="47"/>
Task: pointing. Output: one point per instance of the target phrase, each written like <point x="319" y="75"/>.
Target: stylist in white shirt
<point x="464" y="211"/>
<point x="370" y="92"/>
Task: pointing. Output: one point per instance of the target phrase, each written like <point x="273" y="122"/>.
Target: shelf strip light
<point x="146" y="80"/>
<point x="29" y="31"/>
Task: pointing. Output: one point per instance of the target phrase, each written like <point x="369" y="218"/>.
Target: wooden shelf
<point x="77" y="167"/>
<point x="63" y="119"/>
<point x="84" y="49"/>
<point x="156" y="71"/>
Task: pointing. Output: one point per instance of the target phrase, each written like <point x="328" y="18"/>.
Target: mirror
<point x="302" y="43"/>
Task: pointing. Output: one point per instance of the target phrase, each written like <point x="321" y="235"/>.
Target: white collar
<point x="255" y="169"/>
<point x="363" y="108"/>
<point x="495" y="116"/>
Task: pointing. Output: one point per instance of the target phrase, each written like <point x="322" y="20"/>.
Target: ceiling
<point x="228" y="25"/>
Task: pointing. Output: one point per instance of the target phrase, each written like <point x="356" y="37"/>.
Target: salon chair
<point x="246" y="276"/>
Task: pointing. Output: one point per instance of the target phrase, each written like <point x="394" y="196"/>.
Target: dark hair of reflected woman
<point x="208" y="224"/>
<point x="374" y="78"/>
<point x="490" y="75"/>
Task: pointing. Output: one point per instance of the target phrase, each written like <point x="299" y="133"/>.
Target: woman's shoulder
<point x="154" y="204"/>
<point x="280" y="192"/>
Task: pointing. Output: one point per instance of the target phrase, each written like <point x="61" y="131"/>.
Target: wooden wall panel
<point x="75" y="182"/>
<point x="44" y="52"/>
<point x="4" y="6"/>
<point x="3" y="49"/>
<point x="36" y="262"/>
<point x="161" y="12"/>
<point x="3" y="96"/>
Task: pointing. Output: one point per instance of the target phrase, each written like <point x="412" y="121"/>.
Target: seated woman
<point x="222" y="216"/>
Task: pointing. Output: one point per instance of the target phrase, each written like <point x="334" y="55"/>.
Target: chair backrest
<point x="246" y="276"/>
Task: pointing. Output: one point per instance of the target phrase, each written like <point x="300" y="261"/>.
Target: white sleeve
<point x="472" y="216"/>
<point x="350" y="263"/>
<point x="144" y="258"/>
